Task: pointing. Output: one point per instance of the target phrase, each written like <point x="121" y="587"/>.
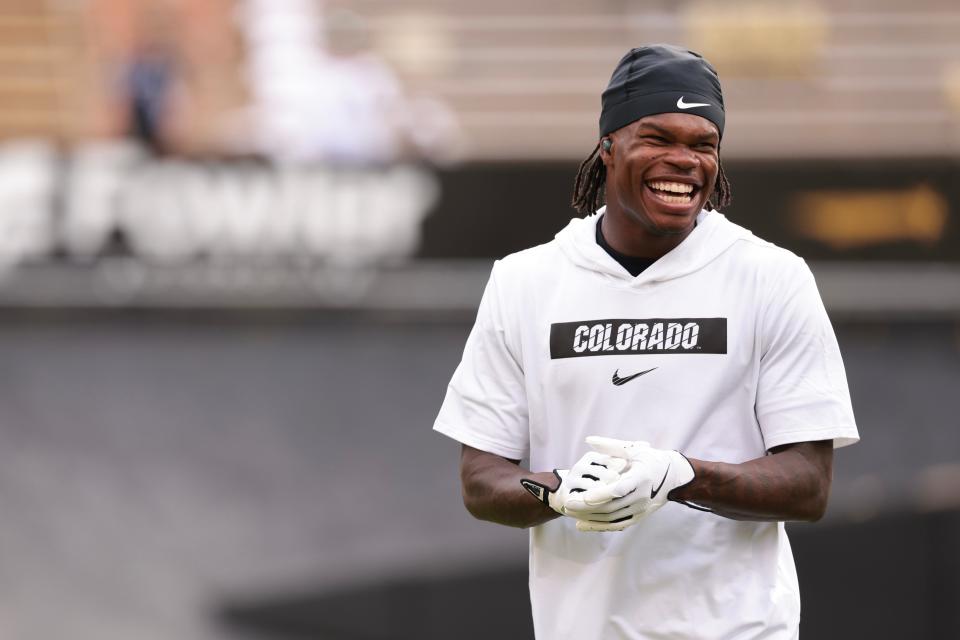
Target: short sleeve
<point x="802" y="393"/>
<point x="486" y="405"/>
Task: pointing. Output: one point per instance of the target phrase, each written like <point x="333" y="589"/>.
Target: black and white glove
<point x="593" y="471"/>
<point x="642" y="488"/>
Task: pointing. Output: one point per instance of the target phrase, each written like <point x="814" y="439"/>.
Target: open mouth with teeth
<point x="673" y="192"/>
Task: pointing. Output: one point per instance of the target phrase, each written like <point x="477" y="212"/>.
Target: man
<point x="695" y="359"/>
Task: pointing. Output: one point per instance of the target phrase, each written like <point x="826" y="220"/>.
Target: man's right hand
<point x="641" y="490"/>
<point x="592" y="470"/>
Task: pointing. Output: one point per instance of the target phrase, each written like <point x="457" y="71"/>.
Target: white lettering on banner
<point x="624" y="335"/>
<point x="656" y="336"/>
<point x="174" y="211"/>
<point x="673" y="336"/>
<point x="691" y="332"/>
<point x="596" y="337"/>
<point x="94" y="176"/>
<point x="634" y="337"/>
<point x="640" y="336"/>
<point x="27" y="177"/>
<point x="579" y="342"/>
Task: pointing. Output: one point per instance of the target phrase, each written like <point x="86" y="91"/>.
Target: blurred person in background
<point x="149" y="82"/>
<point x="359" y="99"/>
<point x="726" y="399"/>
<point x="152" y="86"/>
<point x="321" y="93"/>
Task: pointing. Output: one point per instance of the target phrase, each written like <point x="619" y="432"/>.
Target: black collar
<point x="634" y="265"/>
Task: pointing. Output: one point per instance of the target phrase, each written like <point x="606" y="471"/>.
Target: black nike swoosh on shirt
<point x="617" y="380"/>
<point x="654" y="492"/>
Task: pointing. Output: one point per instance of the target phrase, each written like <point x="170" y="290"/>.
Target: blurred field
<point x="158" y="470"/>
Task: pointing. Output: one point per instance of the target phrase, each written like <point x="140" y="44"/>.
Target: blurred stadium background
<point x="241" y="243"/>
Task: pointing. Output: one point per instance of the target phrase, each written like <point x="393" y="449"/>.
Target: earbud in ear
<point x="607" y="144"/>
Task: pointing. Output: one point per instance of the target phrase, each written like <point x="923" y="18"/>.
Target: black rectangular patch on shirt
<point x="617" y="337"/>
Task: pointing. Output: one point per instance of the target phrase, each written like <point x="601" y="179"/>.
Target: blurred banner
<point x="113" y="200"/>
<point x="111" y="225"/>
<point x="825" y="210"/>
<point x="110" y="200"/>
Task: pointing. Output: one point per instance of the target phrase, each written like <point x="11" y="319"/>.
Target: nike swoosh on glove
<point x="592" y="471"/>
<point x="651" y="474"/>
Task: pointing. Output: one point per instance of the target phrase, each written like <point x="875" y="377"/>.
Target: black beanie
<point x="661" y="78"/>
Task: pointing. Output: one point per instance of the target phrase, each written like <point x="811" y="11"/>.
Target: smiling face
<point x="661" y="171"/>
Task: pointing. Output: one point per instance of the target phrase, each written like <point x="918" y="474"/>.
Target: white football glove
<point x="641" y="489"/>
<point x="592" y="471"/>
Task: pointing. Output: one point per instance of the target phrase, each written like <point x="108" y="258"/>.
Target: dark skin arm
<point x="792" y="483"/>
<point x="492" y="491"/>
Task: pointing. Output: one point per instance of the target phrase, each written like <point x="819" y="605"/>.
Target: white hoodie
<point x="743" y="359"/>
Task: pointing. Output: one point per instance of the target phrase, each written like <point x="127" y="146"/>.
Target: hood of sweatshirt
<point x="712" y="236"/>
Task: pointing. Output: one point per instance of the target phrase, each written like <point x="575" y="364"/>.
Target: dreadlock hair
<point x="722" y="194"/>
<point x="590" y="186"/>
